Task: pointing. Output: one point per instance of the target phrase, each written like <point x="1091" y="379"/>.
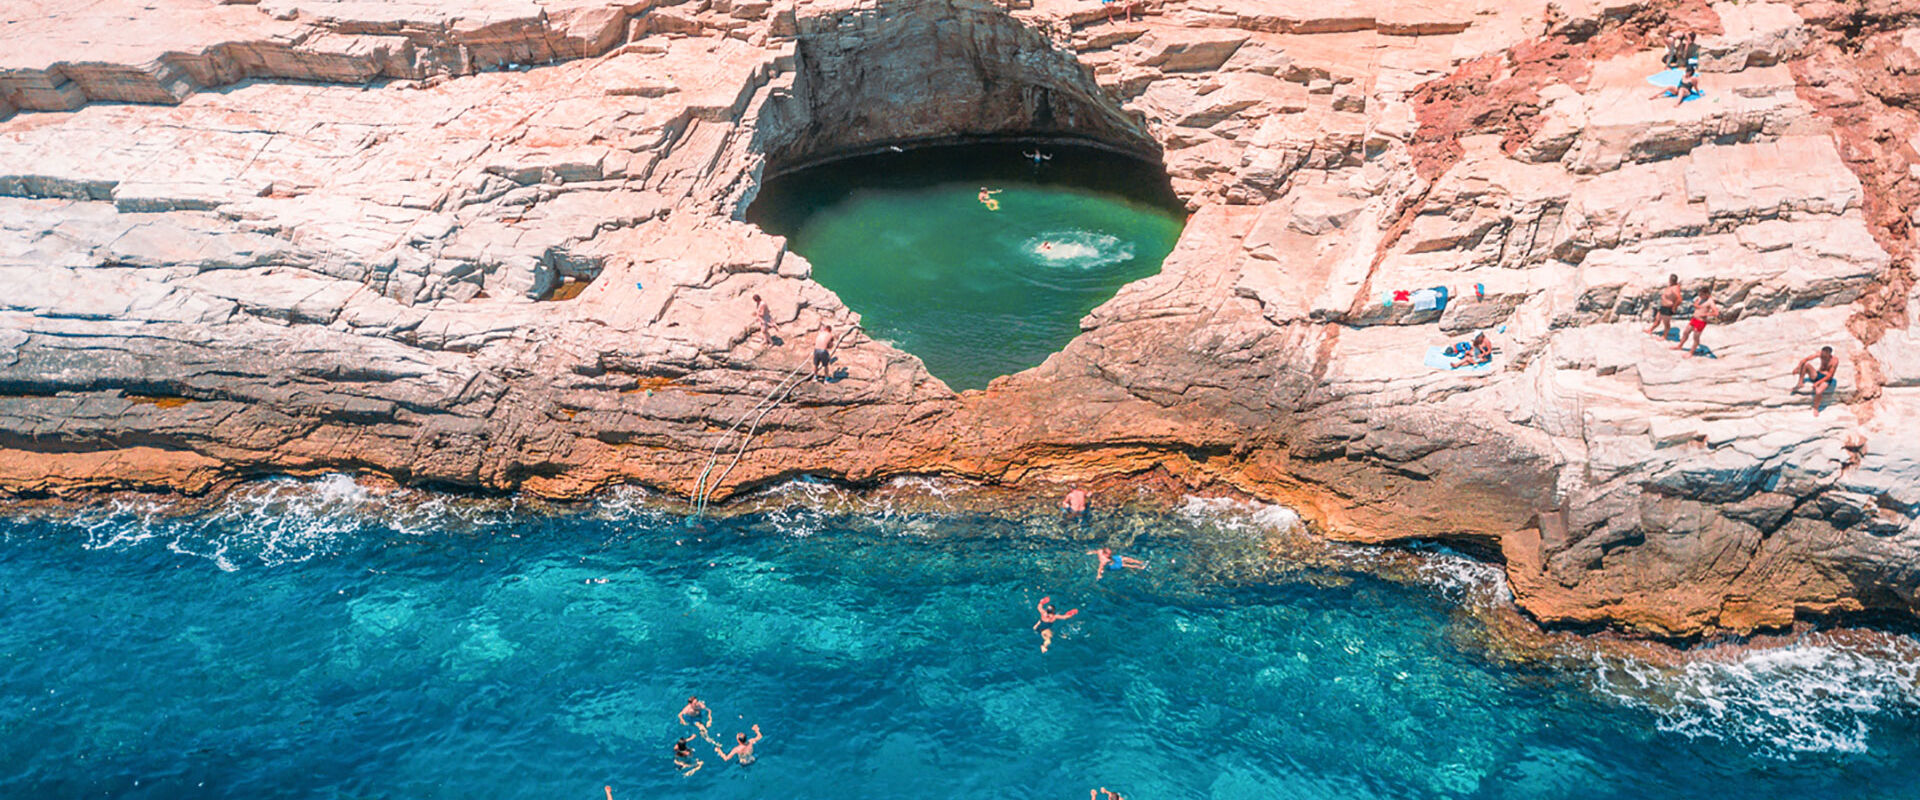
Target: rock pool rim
<point x="1153" y="159"/>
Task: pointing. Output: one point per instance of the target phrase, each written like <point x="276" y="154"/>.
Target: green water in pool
<point x="976" y="289"/>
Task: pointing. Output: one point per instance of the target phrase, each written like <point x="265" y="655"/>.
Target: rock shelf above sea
<point x="497" y="244"/>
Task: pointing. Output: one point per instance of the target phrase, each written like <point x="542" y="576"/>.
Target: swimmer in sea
<point x="1108" y="559"/>
<point x="683" y="758"/>
<point x="1075" y="503"/>
<point x="1094" y="794"/>
<point x="695" y="708"/>
<point x="742" y="751"/>
<point x="986" y="198"/>
<point x="1047" y="618"/>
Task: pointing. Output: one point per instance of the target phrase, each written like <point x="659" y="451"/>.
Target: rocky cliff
<point x="497" y="244"/>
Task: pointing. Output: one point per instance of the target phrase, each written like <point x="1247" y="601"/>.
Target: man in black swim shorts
<point x="822" y="351"/>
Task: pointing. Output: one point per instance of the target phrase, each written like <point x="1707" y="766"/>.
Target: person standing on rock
<point x="1670" y="299"/>
<point x="1704" y="311"/>
<point x="1819" y="368"/>
<point x="763" y="319"/>
<point x="822" y="351"/>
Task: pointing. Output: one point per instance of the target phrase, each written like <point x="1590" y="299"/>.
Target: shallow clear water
<point x="976" y="291"/>
<point x="320" y="640"/>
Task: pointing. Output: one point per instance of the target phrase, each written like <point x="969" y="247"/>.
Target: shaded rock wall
<point x="931" y="70"/>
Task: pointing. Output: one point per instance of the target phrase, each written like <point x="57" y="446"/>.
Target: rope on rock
<point x="702" y="488"/>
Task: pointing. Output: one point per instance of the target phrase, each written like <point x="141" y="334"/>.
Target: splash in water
<point x="1078" y="249"/>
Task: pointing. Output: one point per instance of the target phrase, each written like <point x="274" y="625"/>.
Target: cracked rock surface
<point x="497" y="244"/>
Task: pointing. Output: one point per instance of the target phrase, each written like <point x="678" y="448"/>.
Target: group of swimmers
<point x="741" y="753"/>
<point x="1104" y="558"/>
<point x="1818" y="369"/>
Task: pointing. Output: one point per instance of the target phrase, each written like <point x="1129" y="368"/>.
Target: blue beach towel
<point x="1692" y="97"/>
<point x="1437" y="358"/>
<point x="1668" y="77"/>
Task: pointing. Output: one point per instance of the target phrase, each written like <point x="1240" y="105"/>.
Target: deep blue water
<point x="319" y="640"/>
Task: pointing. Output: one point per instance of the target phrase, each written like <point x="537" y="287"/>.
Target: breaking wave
<point x="1809" y="697"/>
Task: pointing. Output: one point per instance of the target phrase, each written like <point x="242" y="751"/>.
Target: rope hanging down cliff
<point x="703" y="489"/>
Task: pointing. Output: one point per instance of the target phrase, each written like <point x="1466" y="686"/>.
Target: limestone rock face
<point x="495" y="243"/>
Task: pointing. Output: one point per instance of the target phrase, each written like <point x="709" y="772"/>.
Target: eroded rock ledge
<point x="358" y="271"/>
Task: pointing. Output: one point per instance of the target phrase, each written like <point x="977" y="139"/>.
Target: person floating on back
<point x="695" y="708"/>
<point x="1670" y="298"/>
<point x="742" y="752"/>
<point x="1704" y="311"/>
<point x="1819" y="369"/>
<point x="683" y="758"/>
<point x="1047" y="618"/>
<point x="1107" y="559"/>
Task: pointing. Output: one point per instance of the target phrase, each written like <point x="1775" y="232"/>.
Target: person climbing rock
<point x="1704" y="311"/>
<point x="1819" y="369"/>
<point x="1047" y="618"/>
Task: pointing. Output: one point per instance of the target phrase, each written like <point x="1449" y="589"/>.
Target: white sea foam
<point x="1238" y="515"/>
<point x="1801" y="698"/>
<point x="1078" y="249"/>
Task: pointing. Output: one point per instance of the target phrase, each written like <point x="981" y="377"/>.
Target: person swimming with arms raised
<point x="1047" y="618"/>
<point x="742" y="752"/>
<point x="1106" y="559"/>
<point x="683" y="758"/>
<point x="1037" y="156"/>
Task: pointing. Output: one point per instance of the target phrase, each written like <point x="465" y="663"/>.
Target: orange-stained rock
<point x="496" y="244"/>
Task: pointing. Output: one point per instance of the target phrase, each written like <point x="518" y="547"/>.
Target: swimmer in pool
<point x="742" y="751"/>
<point x="683" y="758"/>
<point x="695" y="708"/>
<point x="1107" y="559"/>
<point x="986" y="198"/>
<point x="1047" y="618"/>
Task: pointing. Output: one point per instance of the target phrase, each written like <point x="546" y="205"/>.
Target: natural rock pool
<point x="976" y="290"/>
<point x="322" y="639"/>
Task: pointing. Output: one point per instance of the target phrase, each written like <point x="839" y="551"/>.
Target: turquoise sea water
<point x="976" y="292"/>
<point x="321" y="640"/>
